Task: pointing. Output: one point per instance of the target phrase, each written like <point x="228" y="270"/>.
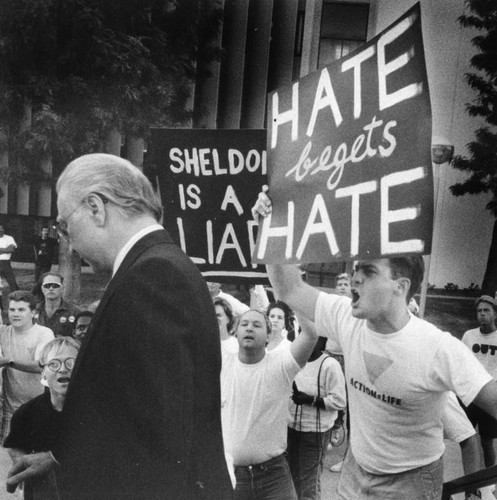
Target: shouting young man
<point x="397" y="368"/>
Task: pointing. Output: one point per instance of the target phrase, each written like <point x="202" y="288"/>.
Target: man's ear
<point x="97" y="207"/>
<point x="403" y="285"/>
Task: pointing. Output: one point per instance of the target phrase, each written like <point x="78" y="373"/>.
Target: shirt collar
<point x="130" y="243"/>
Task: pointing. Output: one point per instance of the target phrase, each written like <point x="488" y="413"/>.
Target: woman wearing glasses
<point x="35" y="425"/>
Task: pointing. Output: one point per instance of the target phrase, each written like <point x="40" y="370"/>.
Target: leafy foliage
<point x="85" y="67"/>
<point x="481" y="161"/>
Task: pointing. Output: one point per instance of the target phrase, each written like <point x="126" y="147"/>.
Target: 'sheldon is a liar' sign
<point x="349" y="163"/>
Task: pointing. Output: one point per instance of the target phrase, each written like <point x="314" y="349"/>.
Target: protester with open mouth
<point x="397" y="369"/>
<point x="35" y="425"/>
<point x="254" y="392"/>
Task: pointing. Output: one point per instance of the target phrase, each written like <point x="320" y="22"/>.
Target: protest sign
<point x="209" y="180"/>
<point x="349" y="162"/>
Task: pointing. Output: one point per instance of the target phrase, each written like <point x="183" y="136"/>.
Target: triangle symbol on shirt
<point x="375" y="365"/>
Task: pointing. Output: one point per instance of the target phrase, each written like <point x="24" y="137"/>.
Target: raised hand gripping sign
<point x="349" y="162"/>
<point x="208" y="181"/>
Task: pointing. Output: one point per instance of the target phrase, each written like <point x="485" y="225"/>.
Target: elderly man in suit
<point x="142" y="413"/>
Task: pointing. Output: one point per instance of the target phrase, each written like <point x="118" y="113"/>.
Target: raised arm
<point x="304" y="343"/>
<point x="286" y="279"/>
<point x="289" y="287"/>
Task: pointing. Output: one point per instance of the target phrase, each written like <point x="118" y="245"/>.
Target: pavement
<point x="329" y="480"/>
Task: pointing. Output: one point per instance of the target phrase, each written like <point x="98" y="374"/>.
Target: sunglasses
<point x="55" y="286"/>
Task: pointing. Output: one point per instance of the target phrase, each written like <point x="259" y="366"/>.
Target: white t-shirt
<point x="395" y="385"/>
<point x="284" y="345"/>
<point x="254" y="402"/>
<point x="18" y="386"/>
<point x="6" y="241"/>
<point x="304" y="418"/>
<point x="456" y="424"/>
<point x="484" y="347"/>
<point x="230" y="344"/>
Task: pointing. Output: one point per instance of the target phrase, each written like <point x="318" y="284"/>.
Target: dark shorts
<point x="487" y="425"/>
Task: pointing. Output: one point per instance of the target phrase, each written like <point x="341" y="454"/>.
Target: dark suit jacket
<point x="141" y="418"/>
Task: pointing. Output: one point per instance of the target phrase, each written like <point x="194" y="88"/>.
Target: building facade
<point x="269" y="43"/>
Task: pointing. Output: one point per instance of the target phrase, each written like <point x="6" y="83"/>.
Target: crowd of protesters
<point x="169" y="404"/>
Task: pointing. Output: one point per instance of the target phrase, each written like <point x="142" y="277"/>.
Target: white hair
<point x="114" y="179"/>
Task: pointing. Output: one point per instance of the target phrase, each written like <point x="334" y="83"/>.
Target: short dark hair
<point x="83" y="314"/>
<point x="279" y="304"/>
<point x="23" y="296"/>
<point x="412" y="267"/>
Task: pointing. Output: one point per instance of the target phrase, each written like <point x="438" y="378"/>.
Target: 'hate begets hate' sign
<point x="349" y="163"/>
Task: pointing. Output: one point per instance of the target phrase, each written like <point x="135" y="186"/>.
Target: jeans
<point x="306" y="451"/>
<point x="270" y="480"/>
<point x="422" y="483"/>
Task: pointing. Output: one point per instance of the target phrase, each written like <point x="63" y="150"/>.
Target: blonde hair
<point x="57" y="345"/>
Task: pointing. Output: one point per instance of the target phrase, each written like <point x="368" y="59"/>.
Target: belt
<point x="262" y="466"/>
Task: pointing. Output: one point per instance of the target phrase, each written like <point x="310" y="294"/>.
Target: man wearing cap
<point x="54" y="312"/>
<point x="483" y="343"/>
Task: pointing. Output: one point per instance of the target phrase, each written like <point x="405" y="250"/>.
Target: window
<point x="343" y="29"/>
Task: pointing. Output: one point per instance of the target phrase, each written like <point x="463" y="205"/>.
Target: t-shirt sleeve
<point x="456" y="424"/>
<point x="335" y="397"/>
<point x="45" y="337"/>
<point x="456" y="368"/>
<point x="332" y="317"/>
<point x="289" y="366"/>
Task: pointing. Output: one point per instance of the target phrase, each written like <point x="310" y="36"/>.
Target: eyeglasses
<point x="55" y="286"/>
<point x="56" y="364"/>
<point x="61" y="222"/>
